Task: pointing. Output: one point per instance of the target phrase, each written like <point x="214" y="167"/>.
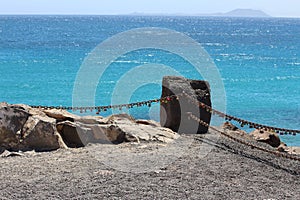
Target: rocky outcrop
<point x="270" y="138"/>
<point x="173" y="114"/>
<point x="23" y="128"/>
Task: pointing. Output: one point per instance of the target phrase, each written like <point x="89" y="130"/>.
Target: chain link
<point x="242" y="122"/>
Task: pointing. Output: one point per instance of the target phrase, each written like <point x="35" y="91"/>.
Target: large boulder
<point x="40" y="134"/>
<point x="270" y="138"/>
<point x="23" y="128"/>
<point x="12" y="120"/>
<point x="173" y="114"/>
<point x="115" y="129"/>
<point x="77" y="134"/>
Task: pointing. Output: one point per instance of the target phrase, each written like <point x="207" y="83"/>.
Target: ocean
<point x="258" y="59"/>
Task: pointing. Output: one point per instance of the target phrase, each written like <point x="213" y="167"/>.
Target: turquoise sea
<point x="258" y="59"/>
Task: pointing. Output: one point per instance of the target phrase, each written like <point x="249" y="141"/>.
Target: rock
<point x="230" y="126"/>
<point x="148" y="122"/>
<point x="77" y="134"/>
<point x="293" y="150"/>
<point x="173" y="114"/>
<point x="117" y="129"/>
<point x="40" y="134"/>
<point x="235" y="131"/>
<point x="136" y="132"/>
<point x="7" y="154"/>
<point x="60" y="115"/>
<point x="270" y="138"/>
<point x="282" y="147"/>
<point x="12" y="120"/>
<point x="23" y="128"/>
<point x="63" y="115"/>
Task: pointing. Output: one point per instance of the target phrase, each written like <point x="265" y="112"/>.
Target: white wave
<point x="294" y="63"/>
<point x="249" y="79"/>
<point x="130" y="61"/>
<point x="214" y="44"/>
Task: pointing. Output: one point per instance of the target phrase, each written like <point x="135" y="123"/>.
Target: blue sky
<point x="279" y="8"/>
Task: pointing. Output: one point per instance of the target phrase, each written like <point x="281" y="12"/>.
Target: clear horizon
<point x="278" y="8"/>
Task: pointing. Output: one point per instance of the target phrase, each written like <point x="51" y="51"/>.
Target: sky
<point x="276" y="8"/>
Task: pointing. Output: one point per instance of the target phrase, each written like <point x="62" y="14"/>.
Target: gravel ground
<point x="195" y="167"/>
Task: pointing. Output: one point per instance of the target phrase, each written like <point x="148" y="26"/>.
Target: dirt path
<point x="196" y="167"/>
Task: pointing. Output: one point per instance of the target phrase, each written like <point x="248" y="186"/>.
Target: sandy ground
<point x="195" y="167"/>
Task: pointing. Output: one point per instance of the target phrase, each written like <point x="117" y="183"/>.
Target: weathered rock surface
<point x="23" y="128"/>
<point x="142" y="131"/>
<point x="78" y="134"/>
<point x="173" y="114"/>
<point x="270" y="138"/>
<point x="12" y="120"/>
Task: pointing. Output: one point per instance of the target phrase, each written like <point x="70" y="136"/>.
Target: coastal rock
<point x="63" y="115"/>
<point x="294" y="150"/>
<point x="23" y="128"/>
<point x="150" y="131"/>
<point x="12" y="120"/>
<point x="77" y="134"/>
<point x="282" y="147"/>
<point x="173" y="114"/>
<point x="230" y="126"/>
<point x="39" y="133"/>
<point x="270" y="138"/>
<point x="115" y="129"/>
<point x="60" y="115"/>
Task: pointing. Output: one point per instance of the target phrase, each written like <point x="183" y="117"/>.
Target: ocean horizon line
<point x="148" y="15"/>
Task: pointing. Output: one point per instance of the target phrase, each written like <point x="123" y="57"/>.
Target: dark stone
<point x="174" y="115"/>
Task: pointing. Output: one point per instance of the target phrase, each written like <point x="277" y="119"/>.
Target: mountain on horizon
<point x="233" y="13"/>
<point x="244" y="13"/>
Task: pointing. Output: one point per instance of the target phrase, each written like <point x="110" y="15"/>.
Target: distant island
<point x="233" y="13"/>
<point x="243" y="13"/>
